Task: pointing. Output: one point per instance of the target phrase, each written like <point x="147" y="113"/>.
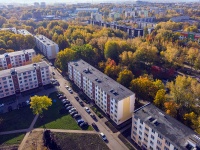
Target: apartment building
<point x="20" y="79"/>
<point x="152" y="129"/>
<point x="17" y="58"/>
<point x="111" y="97"/>
<point x="46" y="46"/>
<point x="9" y="29"/>
<point x="23" y="32"/>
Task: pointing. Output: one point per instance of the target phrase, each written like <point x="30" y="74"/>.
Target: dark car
<point x="84" y="125"/>
<point x="81" y="103"/>
<point x="10" y="108"/>
<point x="58" y="95"/>
<point x="76" y="116"/>
<point x="66" y="102"/>
<point x="69" y="107"/>
<point x="76" y="97"/>
<point x="95" y="127"/>
<point x="62" y="97"/>
<point x="80" y="121"/>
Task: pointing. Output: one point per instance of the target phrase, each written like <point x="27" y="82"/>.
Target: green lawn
<point x="11" y="139"/>
<point x="52" y="119"/>
<point x="17" y="119"/>
<point x="76" y="141"/>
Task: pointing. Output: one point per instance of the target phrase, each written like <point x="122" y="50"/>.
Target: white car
<point x="87" y="110"/>
<point x="103" y="136"/>
<point x="67" y="87"/>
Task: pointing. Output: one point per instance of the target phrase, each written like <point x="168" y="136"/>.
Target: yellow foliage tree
<point x="37" y="58"/>
<point x="39" y="103"/>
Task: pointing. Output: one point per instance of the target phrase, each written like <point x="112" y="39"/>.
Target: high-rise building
<point x="111" y="97"/>
<point x="23" y="78"/>
<point x="152" y="129"/>
<point x="46" y="46"/>
<point x="17" y="58"/>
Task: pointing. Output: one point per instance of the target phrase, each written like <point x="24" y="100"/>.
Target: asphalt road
<point x="114" y="143"/>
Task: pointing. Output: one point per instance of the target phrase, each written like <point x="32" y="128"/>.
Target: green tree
<point x="37" y="58"/>
<point x="63" y="57"/>
<point x="111" y="50"/>
<point x="125" y="77"/>
<point x="40" y="103"/>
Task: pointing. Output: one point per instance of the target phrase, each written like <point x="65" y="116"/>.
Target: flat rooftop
<point x="23" y="32"/>
<point x="16" y="53"/>
<point x="110" y="86"/>
<point x="171" y="129"/>
<point x="45" y="40"/>
<point x="21" y="69"/>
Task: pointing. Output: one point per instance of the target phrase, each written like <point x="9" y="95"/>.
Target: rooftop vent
<point x="151" y="119"/>
<point x="75" y="64"/>
<point x="111" y="90"/>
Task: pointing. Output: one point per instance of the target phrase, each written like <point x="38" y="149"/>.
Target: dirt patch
<point x="34" y="141"/>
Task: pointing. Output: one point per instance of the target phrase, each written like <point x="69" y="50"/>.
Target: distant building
<point x="130" y="14"/>
<point x="94" y="10"/>
<point x="43" y="4"/>
<point x="37" y="15"/>
<point x="17" y="58"/>
<point x="143" y="13"/>
<point x="180" y="18"/>
<point x="36" y="4"/>
<point x="114" y="15"/>
<point x="96" y="16"/>
<point x="112" y="98"/>
<point x="23" y="32"/>
<point x="46" y="46"/>
<point x="23" y="78"/>
<point x="9" y="29"/>
<point x="190" y="36"/>
<point x="10" y="6"/>
<point x="152" y="129"/>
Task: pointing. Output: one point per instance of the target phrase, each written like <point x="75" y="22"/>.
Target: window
<point x="141" y="121"/>
<point x="135" y="128"/>
<point x="140" y="138"/>
<point x="146" y="129"/>
<point x="140" y="132"/>
<point x="158" y="148"/>
<point x="167" y="142"/>
<point x="152" y="137"/>
<point x="160" y="136"/>
<point x="145" y="140"/>
<point x="140" y="127"/>
<point x="152" y="131"/>
<point x="151" y="148"/>
<point x="151" y="142"/>
<point x="146" y="135"/>
<point x="165" y="148"/>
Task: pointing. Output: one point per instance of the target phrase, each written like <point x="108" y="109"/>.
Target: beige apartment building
<point x="152" y="129"/>
<point x="46" y="46"/>
<point x="23" y="78"/>
<point x="17" y="58"/>
<point x="111" y="97"/>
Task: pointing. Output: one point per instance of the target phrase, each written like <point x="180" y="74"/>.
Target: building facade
<point x="152" y="129"/>
<point x="15" y="59"/>
<point x="46" y="46"/>
<point x="20" y="79"/>
<point x="112" y="98"/>
<point x="23" y="32"/>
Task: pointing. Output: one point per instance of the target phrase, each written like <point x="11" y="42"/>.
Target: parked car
<point x="93" y="116"/>
<point x="53" y="73"/>
<point x="76" y="116"/>
<point x="67" y="87"/>
<point x="103" y="136"/>
<point x="58" y="95"/>
<point x="66" y="102"/>
<point x="84" y="125"/>
<point x="1" y="105"/>
<point x="80" y="121"/>
<point x="73" y="113"/>
<point x="95" y="127"/>
<point x="87" y="110"/>
<point x="62" y="97"/>
<point x="71" y="110"/>
<point x="10" y="108"/>
<point x="76" y="97"/>
<point x="50" y="64"/>
<point x="67" y="105"/>
<point x="81" y="103"/>
<point x="70" y="91"/>
<point x="28" y="102"/>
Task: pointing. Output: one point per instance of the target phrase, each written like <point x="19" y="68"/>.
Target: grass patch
<point x="76" y="141"/>
<point x="123" y="139"/>
<point x="17" y="119"/>
<point x="111" y="127"/>
<point x="52" y="119"/>
<point x="97" y="112"/>
<point x="11" y="139"/>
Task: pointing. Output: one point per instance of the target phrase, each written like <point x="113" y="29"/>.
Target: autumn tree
<point x="160" y="98"/>
<point x="40" y="103"/>
<point x="111" y="69"/>
<point x="125" y="77"/>
<point x="171" y="108"/>
<point x="37" y="58"/>
<point x="192" y="55"/>
<point x="112" y="50"/>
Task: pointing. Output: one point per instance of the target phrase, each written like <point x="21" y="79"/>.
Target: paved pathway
<point x="14" y="131"/>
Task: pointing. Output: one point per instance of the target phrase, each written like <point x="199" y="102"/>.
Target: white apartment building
<point x="20" y="79"/>
<point x="111" y="97"/>
<point x="23" y="32"/>
<point x="46" y="46"/>
<point x="152" y="129"/>
<point x="9" y="29"/>
<point x="17" y="58"/>
<point x="97" y="17"/>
